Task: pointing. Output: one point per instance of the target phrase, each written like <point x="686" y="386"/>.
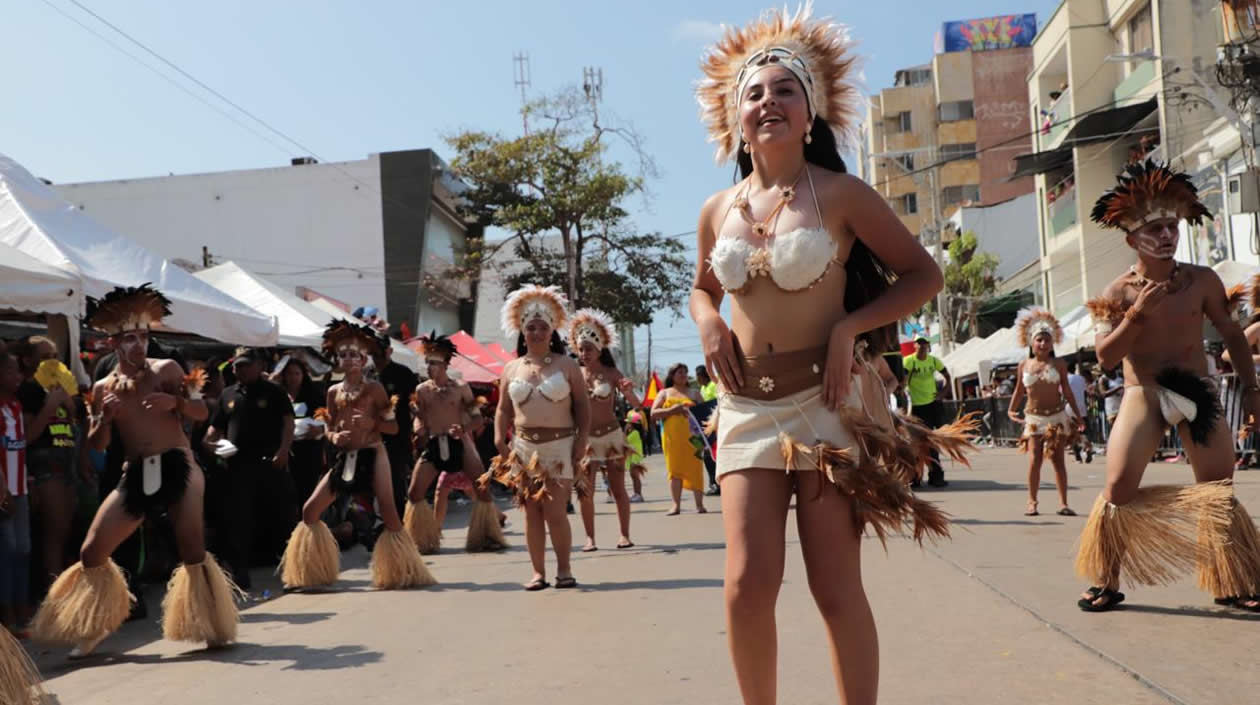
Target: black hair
<point x="557" y="344"/>
<point x="867" y="276"/>
<point x="1072" y="367"/>
<point x="673" y="370"/>
<point x="606" y="358"/>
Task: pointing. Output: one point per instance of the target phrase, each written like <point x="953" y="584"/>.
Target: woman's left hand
<point x="838" y="374"/>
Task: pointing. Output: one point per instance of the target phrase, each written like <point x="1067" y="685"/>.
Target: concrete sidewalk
<point x="989" y="617"/>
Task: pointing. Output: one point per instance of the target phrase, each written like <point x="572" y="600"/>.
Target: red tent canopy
<point x="478" y="353"/>
<point x="498" y="350"/>
<point x="471" y="370"/>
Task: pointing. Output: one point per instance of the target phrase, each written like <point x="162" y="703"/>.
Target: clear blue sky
<point x="350" y="78"/>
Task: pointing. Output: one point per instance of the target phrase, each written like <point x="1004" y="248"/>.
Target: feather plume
<point x="1107" y="311"/>
<point x="195" y="380"/>
<point x="1146" y="192"/>
<point x="1253" y="293"/>
<point x="437" y="346"/>
<point x="530" y="302"/>
<point x="1235" y="295"/>
<point x="321" y="414"/>
<point x="1199" y="391"/>
<point x="595" y="326"/>
<point x="341" y="331"/>
<point x="1035" y="320"/>
<point x="822" y="46"/>
<point x="127" y="308"/>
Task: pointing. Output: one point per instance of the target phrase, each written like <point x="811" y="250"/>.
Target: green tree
<point x="562" y="201"/>
<point x="970" y="277"/>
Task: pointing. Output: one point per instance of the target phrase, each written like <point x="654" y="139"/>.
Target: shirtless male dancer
<point x="1154" y="533"/>
<point x="358" y="412"/>
<point x="446" y="417"/>
<point x="147" y="401"/>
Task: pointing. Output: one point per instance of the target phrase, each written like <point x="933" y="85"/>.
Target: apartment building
<point x="943" y="135"/>
<point x="1120" y="80"/>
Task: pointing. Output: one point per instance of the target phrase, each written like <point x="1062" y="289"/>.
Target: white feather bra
<point x="554" y="389"/>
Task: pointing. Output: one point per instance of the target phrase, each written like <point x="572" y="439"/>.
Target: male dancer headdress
<point x="1151" y="534"/>
<point x="147" y="401"/>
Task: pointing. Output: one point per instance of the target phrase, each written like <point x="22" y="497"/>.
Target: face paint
<point x="1157" y="240"/>
<point x="350" y="357"/>
<point x="133" y="347"/>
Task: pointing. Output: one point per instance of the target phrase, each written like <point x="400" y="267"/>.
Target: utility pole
<point x="520" y="61"/>
<point x="947" y="333"/>
<point x="206" y="259"/>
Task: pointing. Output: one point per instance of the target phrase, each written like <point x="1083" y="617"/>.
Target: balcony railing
<point x="1137" y="79"/>
<point x="1063" y="211"/>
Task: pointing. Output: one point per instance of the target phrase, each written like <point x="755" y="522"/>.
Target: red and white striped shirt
<point x="13" y="452"/>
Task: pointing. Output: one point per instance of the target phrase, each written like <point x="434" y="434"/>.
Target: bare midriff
<point x="602" y="411"/>
<point x="358" y="415"/>
<point x="144" y="432"/>
<point x="767" y="319"/>
<point x="1173" y="339"/>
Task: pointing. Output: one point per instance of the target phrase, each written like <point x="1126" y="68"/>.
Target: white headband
<point x="775" y="56"/>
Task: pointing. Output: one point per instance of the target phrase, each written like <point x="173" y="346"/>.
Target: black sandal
<point x="1240" y="603"/>
<point x="566" y="582"/>
<point x="628" y="544"/>
<point x="537" y="584"/>
<point x="1066" y="512"/>
<point x="1113" y="597"/>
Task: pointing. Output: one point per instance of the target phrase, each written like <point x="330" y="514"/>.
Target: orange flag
<point x="653" y="386"/>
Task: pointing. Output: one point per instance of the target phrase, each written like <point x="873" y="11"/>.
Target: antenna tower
<point x="520" y="61"/>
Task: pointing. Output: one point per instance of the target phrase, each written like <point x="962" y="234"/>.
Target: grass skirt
<point x="1154" y="539"/>
<point x="19" y="679"/>
<point x="200" y="604"/>
<point x="421" y="523"/>
<point x="83" y="604"/>
<point x="396" y="563"/>
<point x="311" y="558"/>
<point x="1230" y="565"/>
<point x="484" y="531"/>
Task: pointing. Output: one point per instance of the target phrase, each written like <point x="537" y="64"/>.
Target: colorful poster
<point x="1003" y="32"/>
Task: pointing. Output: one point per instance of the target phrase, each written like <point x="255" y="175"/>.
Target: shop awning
<point x="1108" y="124"/>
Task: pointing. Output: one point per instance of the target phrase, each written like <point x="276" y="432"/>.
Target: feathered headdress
<point x="1033" y="321"/>
<point x="1147" y="192"/>
<point x="533" y="302"/>
<point x="437" y="347"/>
<point x="818" y="52"/>
<point x="126" y="309"/>
<point x="595" y="326"/>
<point x="342" y="332"/>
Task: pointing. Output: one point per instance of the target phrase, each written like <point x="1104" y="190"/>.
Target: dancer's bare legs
<point x="832" y="550"/>
<point x="1058" y="461"/>
<point x="617" y="485"/>
<point x="754" y="516"/>
<point x="675" y="491"/>
<point x="536" y="538"/>
<point x="586" y="505"/>
<point x="1036" y="454"/>
<point x="553" y="509"/>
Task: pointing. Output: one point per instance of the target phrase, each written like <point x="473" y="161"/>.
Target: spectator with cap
<point x="256" y="417"/>
<point x="925" y="402"/>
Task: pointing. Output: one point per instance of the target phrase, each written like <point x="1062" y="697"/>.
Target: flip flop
<point x="537" y="584"/>
<point x="1066" y="512"/>
<point x="1114" y="598"/>
<point x="629" y="544"/>
<point x="587" y="549"/>
<point x="1239" y="603"/>
<point x="673" y="513"/>
<point x="566" y="583"/>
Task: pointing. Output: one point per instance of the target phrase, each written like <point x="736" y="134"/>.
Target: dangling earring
<point x="809" y="139"/>
<point x="747" y="148"/>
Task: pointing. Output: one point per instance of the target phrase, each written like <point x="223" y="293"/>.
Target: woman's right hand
<point x="719" y="352"/>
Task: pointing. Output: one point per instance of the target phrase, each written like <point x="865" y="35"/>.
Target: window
<point x="953" y="195"/>
<point x="913" y="77"/>
<point x="906" y="161"/>
<point x="903" y="121"/>
<point x="910" y="203"/>
<point x="1141" y="35"/>
<point x="954" y="152"/>
<point x="957" y="110"/>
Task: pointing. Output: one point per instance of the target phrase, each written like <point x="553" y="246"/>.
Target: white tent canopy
<point x="1232" y="272"/>
<point x="37" y="221"/>
<point x="301" y="324"/>
<point x="324" y="312"/>
<point x="30" y="286"/>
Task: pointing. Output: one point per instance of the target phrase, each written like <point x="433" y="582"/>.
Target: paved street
<point x="990" y="617"/>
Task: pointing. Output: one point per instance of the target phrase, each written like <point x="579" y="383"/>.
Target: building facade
<point x="1116" y="81"/>
<point x="382" y="231"/>
<point x="942" y="136"/>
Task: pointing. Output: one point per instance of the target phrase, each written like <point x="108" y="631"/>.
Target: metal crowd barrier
<point x="998" y="429"/>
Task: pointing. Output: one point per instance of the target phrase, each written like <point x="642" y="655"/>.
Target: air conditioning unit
<point x="1244" y="192"/>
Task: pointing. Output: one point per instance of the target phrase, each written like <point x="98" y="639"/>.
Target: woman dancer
<point x="594" y="337"/>
<point x="683" y="463"/>
<point x="544" y="404"/>
<point x="358" y="413"/>
<point x="792" y="239"/>
<point x="1047" y="427"/>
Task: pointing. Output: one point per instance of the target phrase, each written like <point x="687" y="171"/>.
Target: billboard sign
<point x="1002" y="32"/>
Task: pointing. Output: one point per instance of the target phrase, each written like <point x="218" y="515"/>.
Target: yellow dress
<point x="682" y="456"/>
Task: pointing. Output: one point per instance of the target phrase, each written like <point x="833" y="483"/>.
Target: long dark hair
<point x="673" y="370"/>
<point x="867" y="277"/>
<point x="557" y="344"/>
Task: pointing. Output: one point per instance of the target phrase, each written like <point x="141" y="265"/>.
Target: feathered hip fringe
<point x="1153" y="539"/>
<point x="83" y="604"/>
<point x="484" y="531"/>
<point x="311" y="558"/>
<point x="396" y="564"/>
<point x="200" y="604"/>
<point x="421" y="523"/>
<point x="1230" y="566"/>
<point x="881" y="497"/>
<point x="906" y="448"/>
<point x="528" y="481"/>
<point x="20" y="683"/>
<point x="1054" y="439"/>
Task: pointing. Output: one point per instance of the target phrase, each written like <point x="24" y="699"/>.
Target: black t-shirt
<point x="252" y="417"/>
<point x="400" y="381"/>
<point x="60" y="431"/>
